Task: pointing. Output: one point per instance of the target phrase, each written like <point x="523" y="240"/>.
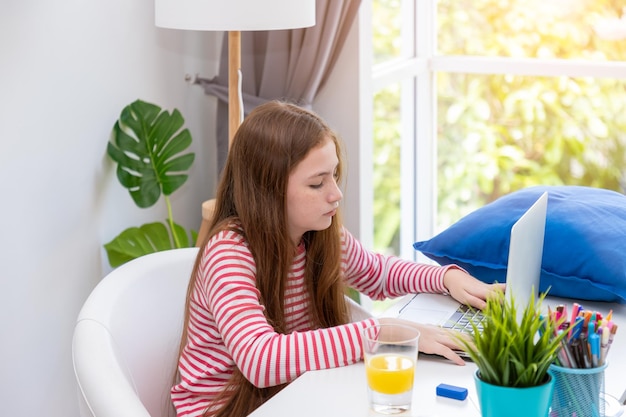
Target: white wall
<point x="67" y="68"/>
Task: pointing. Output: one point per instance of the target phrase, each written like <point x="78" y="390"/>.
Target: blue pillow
<point x="584" y="253"/>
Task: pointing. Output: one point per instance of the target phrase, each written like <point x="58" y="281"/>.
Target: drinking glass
<point x="390" y="354"/>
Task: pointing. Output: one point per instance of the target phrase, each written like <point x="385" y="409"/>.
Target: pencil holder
<point x="577" y="392"/>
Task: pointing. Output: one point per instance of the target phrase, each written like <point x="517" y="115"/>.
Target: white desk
<point x="342" y="391"/>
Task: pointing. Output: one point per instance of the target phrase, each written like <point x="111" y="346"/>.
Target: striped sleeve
<point x="265" y="357"/>
<point x="379" y="276"/>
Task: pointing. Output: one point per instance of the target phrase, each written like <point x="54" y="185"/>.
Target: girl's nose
<point x="337" y="195"/>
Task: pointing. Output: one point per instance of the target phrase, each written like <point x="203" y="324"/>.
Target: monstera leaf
<point x="138" y="241"/>
<point x="146" y="144"/>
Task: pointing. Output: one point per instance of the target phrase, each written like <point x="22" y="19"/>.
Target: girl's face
<point x="312" y="192"/>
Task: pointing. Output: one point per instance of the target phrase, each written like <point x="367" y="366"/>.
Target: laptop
<point x="522" y="276"/>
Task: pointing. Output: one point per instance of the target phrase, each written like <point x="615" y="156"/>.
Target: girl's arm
<point x="379" y="276"/>
<point x="264" y="356"/>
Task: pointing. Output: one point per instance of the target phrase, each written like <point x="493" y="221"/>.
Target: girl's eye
<point x="317" y="186"/>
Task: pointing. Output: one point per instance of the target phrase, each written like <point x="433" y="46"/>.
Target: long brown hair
<point x="268" y="145"/>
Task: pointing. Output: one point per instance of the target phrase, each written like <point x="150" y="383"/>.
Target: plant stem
<point x="170" y="221"/>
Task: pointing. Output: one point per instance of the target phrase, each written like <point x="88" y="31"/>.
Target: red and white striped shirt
<point x="227" y="326"/>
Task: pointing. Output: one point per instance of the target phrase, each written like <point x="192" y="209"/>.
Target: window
<point x="474" y="99"/>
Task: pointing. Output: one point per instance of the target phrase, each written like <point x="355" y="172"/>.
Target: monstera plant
<point x="148" y="145"/>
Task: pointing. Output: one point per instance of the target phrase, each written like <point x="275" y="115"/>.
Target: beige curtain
<point x="284" y="64"/>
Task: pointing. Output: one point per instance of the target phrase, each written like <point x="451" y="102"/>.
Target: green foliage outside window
<point x="501" y="133"/>
<point x="386" y="157"/>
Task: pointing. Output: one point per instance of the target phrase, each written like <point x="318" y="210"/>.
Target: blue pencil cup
<point x="577" y="392"/>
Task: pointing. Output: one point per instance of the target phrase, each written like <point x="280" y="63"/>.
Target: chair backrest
<point x="127" y="335"/>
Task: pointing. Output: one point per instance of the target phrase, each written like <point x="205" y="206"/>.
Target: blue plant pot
<point x="497" y="401"/>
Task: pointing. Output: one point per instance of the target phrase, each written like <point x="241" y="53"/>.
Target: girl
<point x="266" y="297"/>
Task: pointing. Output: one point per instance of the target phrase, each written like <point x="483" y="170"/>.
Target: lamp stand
<point x="234" y="95"/>
<point x="235" y="112"/>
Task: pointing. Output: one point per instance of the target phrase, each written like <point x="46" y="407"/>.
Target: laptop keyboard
<point x="462" y="318"/>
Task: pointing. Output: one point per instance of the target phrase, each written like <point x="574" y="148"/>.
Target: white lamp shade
<point x="234" y="15"/>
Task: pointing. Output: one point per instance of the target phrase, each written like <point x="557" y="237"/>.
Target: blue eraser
<point x="451" y="391"/>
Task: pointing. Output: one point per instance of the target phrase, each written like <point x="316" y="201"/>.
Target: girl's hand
<point x="433" y="339"/>
<point x="468" y="290"/>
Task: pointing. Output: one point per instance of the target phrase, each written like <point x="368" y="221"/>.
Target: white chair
<point x="127" y="336"/>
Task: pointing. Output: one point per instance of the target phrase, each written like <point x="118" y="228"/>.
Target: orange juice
<point x="390" y="373"/>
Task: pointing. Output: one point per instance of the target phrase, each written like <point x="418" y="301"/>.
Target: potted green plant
<point x="148" y="145"/>
<point x="513" y="353"/>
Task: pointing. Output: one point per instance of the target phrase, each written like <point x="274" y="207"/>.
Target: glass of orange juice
<point x="390" y="354"/>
